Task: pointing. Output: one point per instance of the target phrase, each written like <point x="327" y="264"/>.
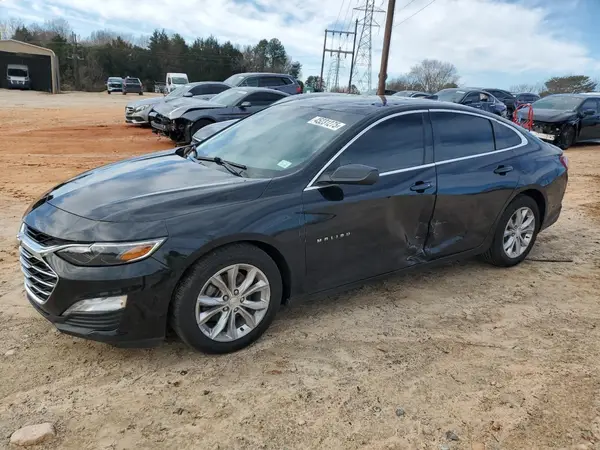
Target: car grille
<point x="40" y="279"/>
<point x="128" y="110"/>
<point x="43" y="238"/>
<point x="99" y="322"/>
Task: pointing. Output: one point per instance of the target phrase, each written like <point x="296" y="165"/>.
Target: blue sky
<point x="497" y="43"/>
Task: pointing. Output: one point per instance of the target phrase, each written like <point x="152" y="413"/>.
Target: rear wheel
<point x="108" y="92"/>
<point x="566" y="138"/>
<point x="228" y="299"/>
<point x="515" y="233"/>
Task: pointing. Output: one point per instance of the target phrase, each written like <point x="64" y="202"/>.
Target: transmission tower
<point x="334" y="72"/>
<point x="363" y="66"/>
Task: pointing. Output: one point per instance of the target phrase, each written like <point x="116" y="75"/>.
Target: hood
<point x="180" y="106"/>
<point x="552" y="115"/>
<point x="150" y="188"/>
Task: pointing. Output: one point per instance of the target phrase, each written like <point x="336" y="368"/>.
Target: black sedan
<point x="181" y="122"/>
<point x="565" y="119"/>
<point x="475" y="98"/>
<point x="212" y="239"/>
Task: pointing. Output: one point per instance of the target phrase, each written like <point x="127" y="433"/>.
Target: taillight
<point x="298" y="90"/>
<point x="564" y="161"/>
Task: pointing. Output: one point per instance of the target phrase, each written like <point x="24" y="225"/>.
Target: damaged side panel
<point x="470" y="198"/>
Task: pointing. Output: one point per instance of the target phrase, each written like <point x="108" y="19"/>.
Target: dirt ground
<point x="505" y="359"/>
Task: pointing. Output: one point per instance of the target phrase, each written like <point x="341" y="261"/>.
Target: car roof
<point x="257" y="89"/>
<point x="198" y="83"/>
<point x="581" y="96"/>
<point x="369" y="105"/>
<point x="247" y="74"/>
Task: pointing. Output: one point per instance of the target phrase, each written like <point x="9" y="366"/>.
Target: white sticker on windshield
<point x="324" y="122"/>
<point x="284" y="164"/>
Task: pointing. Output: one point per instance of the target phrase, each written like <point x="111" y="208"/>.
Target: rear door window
<point x="504" y="136"/>
<point x="270" y="82"/>
<point x="397" y="143"/>
<point x="251" y="82"/>
<point x="459" y="135"/>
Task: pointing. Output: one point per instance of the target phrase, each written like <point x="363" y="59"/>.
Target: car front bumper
<point x="146" y="285"/>
<point x="137" y="117"/>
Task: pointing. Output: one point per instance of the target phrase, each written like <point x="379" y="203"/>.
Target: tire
<point x="124" y="93"/>
<point x="566" y="138"/>
<point x="198" y="125"/>
<point x="108" y="92"/>
<point x="496" y="254"/>
<point x="184" y="307"/>
<point x="141" y="93"/>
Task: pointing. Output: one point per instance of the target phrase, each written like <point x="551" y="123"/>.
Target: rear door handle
<point x="503" y="170"/>
<point x="421" y="186"/>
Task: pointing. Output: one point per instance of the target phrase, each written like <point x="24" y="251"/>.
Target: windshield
<point x="234" y="80"/>
<point x="558" y="102"/>
<point x="179" y="80"/>
<point x="230" y="97"/>
<point x="278" y="138"/>
<point x="178" y="92"/>
<point x="16" y="73"/>
<point x="450" y="95"/>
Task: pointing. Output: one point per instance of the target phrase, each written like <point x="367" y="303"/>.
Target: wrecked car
<point x="303" y="198"/>
<point x="180" y="121"/>
<point x="564" y="119"/>
<point x="137" y="112"/>
<point x="475" y="98"/>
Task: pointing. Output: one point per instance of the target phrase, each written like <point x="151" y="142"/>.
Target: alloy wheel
<point x="233" y="302"/>
<point x="519" y="232"/>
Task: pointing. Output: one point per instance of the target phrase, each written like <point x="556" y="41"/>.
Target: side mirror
<point x="245" y="105"/>
<point x="351" y="174"/>
<point x="589" y="112"/>
<point x="188" y="94"/>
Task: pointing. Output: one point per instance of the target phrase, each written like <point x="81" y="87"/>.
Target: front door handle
<point x="503" y="170"/>
<point x="421" y="186"/>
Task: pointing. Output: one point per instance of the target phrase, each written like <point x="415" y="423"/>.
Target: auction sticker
<point x="324" y="122"/>
<point x="284" y="164"/>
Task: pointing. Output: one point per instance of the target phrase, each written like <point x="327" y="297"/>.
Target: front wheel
<point x="566" y="138"/>
<point x="228" y="300"/>
<point x="515" y="233"/>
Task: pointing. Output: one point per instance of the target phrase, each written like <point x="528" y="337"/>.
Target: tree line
<point x="85" y="64"/>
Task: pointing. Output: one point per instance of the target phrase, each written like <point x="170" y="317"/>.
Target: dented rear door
<point x="474" y="181"/>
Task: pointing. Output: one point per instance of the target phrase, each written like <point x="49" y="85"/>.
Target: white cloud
<point x="475" y="35"/>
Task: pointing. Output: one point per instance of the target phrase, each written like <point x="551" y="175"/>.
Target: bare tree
<point x="401" y="83"/>
<point x="527" y="87"/>
<point x="9" y="26"/>
<point x="432" y="75"/>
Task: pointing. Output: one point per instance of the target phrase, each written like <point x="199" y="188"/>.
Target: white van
<point x="18" y="76"/>
<point x="175" y="80"/>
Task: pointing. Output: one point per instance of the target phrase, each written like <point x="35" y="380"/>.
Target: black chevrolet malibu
<point x="304" y="197"/>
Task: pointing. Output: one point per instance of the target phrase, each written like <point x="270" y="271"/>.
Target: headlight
<point x="141" y="108"/>
<point x="109" y="254"/>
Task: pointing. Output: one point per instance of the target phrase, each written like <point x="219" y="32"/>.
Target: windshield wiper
<point x="229" y="165"/>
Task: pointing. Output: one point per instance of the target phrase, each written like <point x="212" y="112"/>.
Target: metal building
<point x="42" y="64"/>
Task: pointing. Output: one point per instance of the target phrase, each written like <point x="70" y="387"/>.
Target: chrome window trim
<point x="524" y="142"/>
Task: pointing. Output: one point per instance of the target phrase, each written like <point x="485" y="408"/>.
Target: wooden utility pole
<point x="387" y="37"/>
<point x="76" y="58"/>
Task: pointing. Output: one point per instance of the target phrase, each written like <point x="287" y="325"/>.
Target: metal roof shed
<point x="42" y="63"/>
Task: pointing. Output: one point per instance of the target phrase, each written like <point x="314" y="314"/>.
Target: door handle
<point x="503" y="170"/>
<point x="421" y="186"/>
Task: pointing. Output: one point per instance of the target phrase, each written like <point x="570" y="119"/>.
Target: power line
<point x="413" y="15"/>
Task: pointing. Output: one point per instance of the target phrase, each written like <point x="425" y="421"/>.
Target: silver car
<point x="137" y="112"/>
